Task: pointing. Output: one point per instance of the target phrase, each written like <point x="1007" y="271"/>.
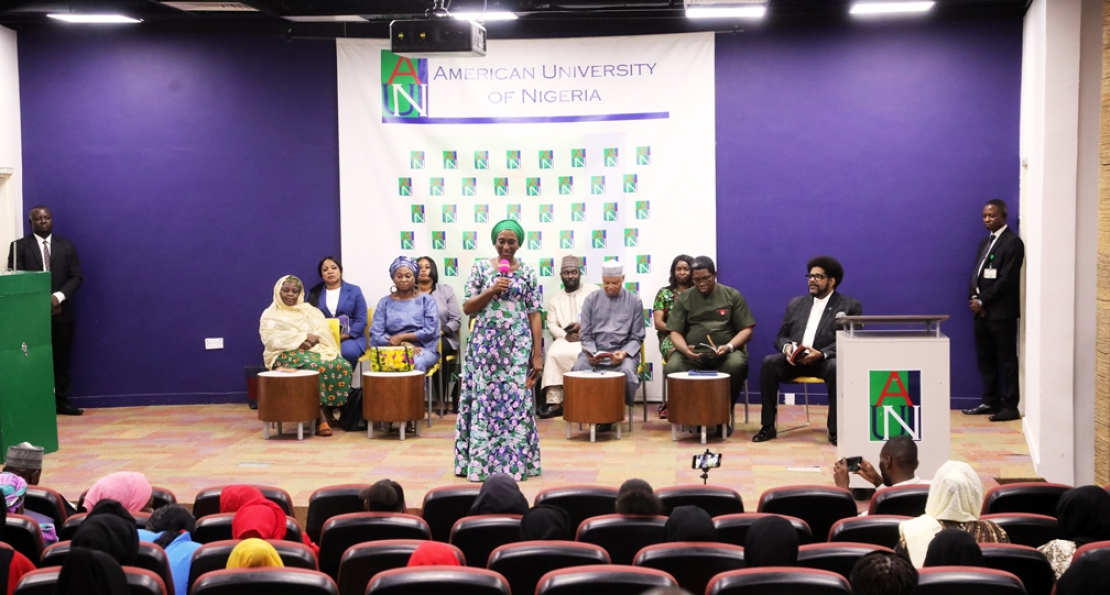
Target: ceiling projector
<point x="436" y="37"/>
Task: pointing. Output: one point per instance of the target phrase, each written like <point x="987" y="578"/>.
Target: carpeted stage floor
<point x="187" y="448"/>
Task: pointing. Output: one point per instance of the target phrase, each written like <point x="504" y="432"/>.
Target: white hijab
<point x="283" y="328"/>
<point x="956" y="494"/>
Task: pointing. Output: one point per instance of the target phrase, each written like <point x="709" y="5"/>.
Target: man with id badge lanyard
<point x="995" y="302"/>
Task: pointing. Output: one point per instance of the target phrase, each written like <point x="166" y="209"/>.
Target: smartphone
<point x="710" y="460"/>
<point x="853" y="463"/>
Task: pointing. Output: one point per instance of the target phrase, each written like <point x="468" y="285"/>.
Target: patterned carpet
<point x="187" y="448"/>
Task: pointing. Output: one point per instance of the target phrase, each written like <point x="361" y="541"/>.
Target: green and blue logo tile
<point x="578" y="211"/>
<point x="609" y="211"/>
<point x="578" y="157"/>
<point x="481" y="213"/>
<point x="481" y="159"/>
<point x="566" y="239"/>
<point x="547" y="267"/>
<point x="417" y="213"/>
<point x="470" y="186"/>
<point x="449" y="214"/>
<point x="404" y="186"/>
<point x="416" y="159"/>
<point x="451" y="267"/>
<point x="450" y="160"/>
<point x="566" y="185"/>
<point x="611" y="157"/>
<point x="435" y="186"/>
<point x="408" y="240"/>
<point x="643" y="209"/>
<point x="439" y="240"/>
<point x="643" y="264"/>
<point x="631" y="237"/>
<point x="597" y="184"/>
<point x="643" y="155"/>
<point x="631" y="183"/>
<point x="597" y="239"/>
<point x="512" y="159"/>
<point x="547" y="213"/>
<point x="512" y="212"/>
<point x="532" y="186"/>
<point x="547" y="159"/>
<point x="535" y="240"/>
<point x="501" y="186"/>
<point x="470" y="240"/>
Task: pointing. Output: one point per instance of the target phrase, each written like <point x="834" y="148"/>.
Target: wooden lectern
<point x="26" y="362"/>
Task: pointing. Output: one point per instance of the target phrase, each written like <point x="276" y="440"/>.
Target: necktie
<point x="983" y="257"/>
<point x="45" y="255"/>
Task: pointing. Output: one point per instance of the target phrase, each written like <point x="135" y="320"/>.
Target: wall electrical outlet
<point x="217" y="343"/>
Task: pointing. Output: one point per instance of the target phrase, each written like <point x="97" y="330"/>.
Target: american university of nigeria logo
<point x="439" y="240"/>
<point x="566" y="239"/>
<point x="643" y="155"/>
<point x="470" y="186"/>
<point x="631" y="238"/>
<point x="501" y="186"/>
<point x="512" y="212"/>
<point x="578" y="211"/>
<point x="404" y="88"/>
<point x="481" y="159"/>
<point x="404" y="186"/>
<point x="643" y="264"/>
<point x="417" y="213"/>
<point x="535" y="240"/>
<point x="634" y="287"/>
<point x="547" y="213"/>
<point x="470" y="240"/>
<point x="566" y="185"/>
<point x="407" y="240"/>
<point x="547" y="159"/>
<point x="532" y="186"/>
<point x="647" y="318"/>
<point x="611" y="157"/>
<point x="512" y="159"/>
<point x="578" y="157"/>
<point x="481" y="213"/>
<point x="643" y="209"/>
<point x="597" y="184"/>
<point x="449" y="213"/>
<point x="547" y="267"/>
<point x="631" y="183"/>
<point x="895" y="404"/>
<point x="451" y="267"/>
<point x="597" y="239"/>
<point x="609" y="211"/>
<point x="435" y="186"/>
<point x="450" y="160"/>
<point x="416" y="159"/>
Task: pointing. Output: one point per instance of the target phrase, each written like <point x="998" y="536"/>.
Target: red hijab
<point x="261" y="518"/>
<point x="232" y="498"/>
<point x="434" y="553"/>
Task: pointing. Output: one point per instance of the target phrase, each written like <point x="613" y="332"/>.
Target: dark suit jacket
<point x="797" y="315"/>
<point x="65" y="268"/>
<point x="351" y="302"/>
<point x="1001" y="296"/>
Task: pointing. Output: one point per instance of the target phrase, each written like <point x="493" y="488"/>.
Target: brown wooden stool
<point x="392" y="397"/>
<point x="288" y="396"/>
<point x="696" y="400"/>
<point x="593" y="398"/>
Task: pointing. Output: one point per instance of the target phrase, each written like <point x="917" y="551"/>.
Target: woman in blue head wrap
<point x="496" y="427"/>
<point x="406" y="316"/>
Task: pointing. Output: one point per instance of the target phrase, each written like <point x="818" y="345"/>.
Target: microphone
<point x="503" y="268"/>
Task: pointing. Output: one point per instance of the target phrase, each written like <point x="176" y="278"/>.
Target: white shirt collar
<point x="998" y="233"/>
<point x="41" y="239"/>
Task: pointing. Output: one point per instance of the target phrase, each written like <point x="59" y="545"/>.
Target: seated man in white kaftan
<point x="562" y="323"/>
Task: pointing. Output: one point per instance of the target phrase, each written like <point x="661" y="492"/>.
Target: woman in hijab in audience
<point x="89" y="572"/>
<point x="384" y="496"/>
<point x="1089" y="575"/>
<point x="254" y="553"/>
<point x="952" y="547"/>
<point x="637" y="497"/>
<point x="14" y="489"/>
<point x="1084" y="516"/>
<point x="434" y="553"/>
<point x="690" y="523"/>
<point x="546" y="523"/>
<point x="106" y="529"/>
<point x="955" y="499"/>
<point x="263" y="519"/>
<point x="234" y="497"/>
<point x="499" y="495"/>
<point x="771" y="541"/>
<point x="170" y="527"/>
<point x="13" y="565"/>
<point x="132" y="490"/>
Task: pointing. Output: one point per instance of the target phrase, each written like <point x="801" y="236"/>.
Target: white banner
<point x="601" y="147"/>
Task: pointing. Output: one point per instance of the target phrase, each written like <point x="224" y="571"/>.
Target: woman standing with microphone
<point x="496" y="428"/>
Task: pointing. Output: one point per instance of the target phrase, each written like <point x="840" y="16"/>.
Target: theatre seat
<point x="733" y="528"/>
<point x="879" y="529"/>
<point x="264" y="581"/>
<point x="363" y="561"/>
<point x="43" y="581"/>
<point x="330" y="501"/>
<point x="38" y="582"/>
<point x="161" y="497"/>
<point x="818" y="505"/>
<point x="580" y="501"/>
<point x="345" y="530"/>
<point x="45" y="501"/>
<point x="1024" y="562"/>
<point x="150" y="557"/>
<point x="141" y="581"/>
<point x="606" y="579"/>
<point x="477" y="536"/>
<point x="23" y="534"/>
<point x="1090" y="547"/>
<point x="69" y="527"/>
<point x="778" y="580"/>
<point x="900" y="500"/>
<point x="715" y="500"/>
<point x="692" y="563"/>
<point x="1033" y="530"/>
<point x="438" y="580"/>
<point x="445" y="505"/>
<point x="622" y="536"/>
<point x="208" y="500"/>
<point x="217" y="527"/>
<point x="1030" y="497"/>
<point x="213" y="556"/>
<point x="836" y="557"/>
<point x="967" y="580"/>
<point x="523" y="563"/>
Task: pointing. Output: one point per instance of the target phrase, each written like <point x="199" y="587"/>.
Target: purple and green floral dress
<point x="496" y="428"/>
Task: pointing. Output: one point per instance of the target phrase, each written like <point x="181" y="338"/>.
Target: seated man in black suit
<point x="807" y="341"/>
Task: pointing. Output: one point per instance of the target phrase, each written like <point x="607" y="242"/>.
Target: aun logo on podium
<point x="895" y="404"/>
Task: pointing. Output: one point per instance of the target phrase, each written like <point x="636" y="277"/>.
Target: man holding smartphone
<point x="563" y="312"/>
<point x="897" y="466"/>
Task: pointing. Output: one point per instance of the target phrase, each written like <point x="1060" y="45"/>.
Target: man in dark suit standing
<point x="43" y="251"/>
<point x="995" y="301"/>
<point x="807" y="341"/>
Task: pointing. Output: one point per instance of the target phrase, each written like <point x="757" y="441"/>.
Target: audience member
<point x="13" y="565"/>
<point x="433" y="553"/>
<point x="14" y="489"/>
<point x="882" y="573"/>
<point x="107" y="530"/>
<point x="955" y="499"/>
<point x="563" y="312"/>
<point x="897" y="466"/>
<point x="499" y="495"/>
<point x="253" y="553"/>
<point x="25" y="460"/>
<point x="546" y="522"/>
<point x="384" y="496"/>
<point x="130" y="489"/>
<point x="262" y="519"/>
<point x="637" y="497"/>
<point x="234" y="497"/>
<point x="170" y="527"/>
<point x="1084" y="516"/>
<point x="689" y="523"/>
<point x="336" y="298"/>
<point x="1089" y="575"/>
<point x="90" y="572"/>
<point x="771" y="541"/>
<point x="952" y="547"/>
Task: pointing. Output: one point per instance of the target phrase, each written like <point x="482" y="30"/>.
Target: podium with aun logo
<point x="26" y="362"/>
<point x="893" y="380"/>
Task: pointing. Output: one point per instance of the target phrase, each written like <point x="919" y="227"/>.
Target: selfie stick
<point x="705" y="467"/>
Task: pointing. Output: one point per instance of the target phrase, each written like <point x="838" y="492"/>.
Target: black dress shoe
<point x="1006" y="415"/>
<point x="981" y="410"/>
<point x="765" y="433"/>
<point x="550" y="411"/>
<point x="68" y="409"/>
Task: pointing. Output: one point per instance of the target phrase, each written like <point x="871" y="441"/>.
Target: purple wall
<point x="193" y="170"/>
<point x="877" y="144"/>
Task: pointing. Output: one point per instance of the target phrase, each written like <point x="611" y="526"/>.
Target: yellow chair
<point x="805" y="381"/>
<point x="333" y="323"/>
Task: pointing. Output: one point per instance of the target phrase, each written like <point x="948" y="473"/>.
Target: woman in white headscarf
<point x="295" y="335"/>
<point x="955" y="499"/>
